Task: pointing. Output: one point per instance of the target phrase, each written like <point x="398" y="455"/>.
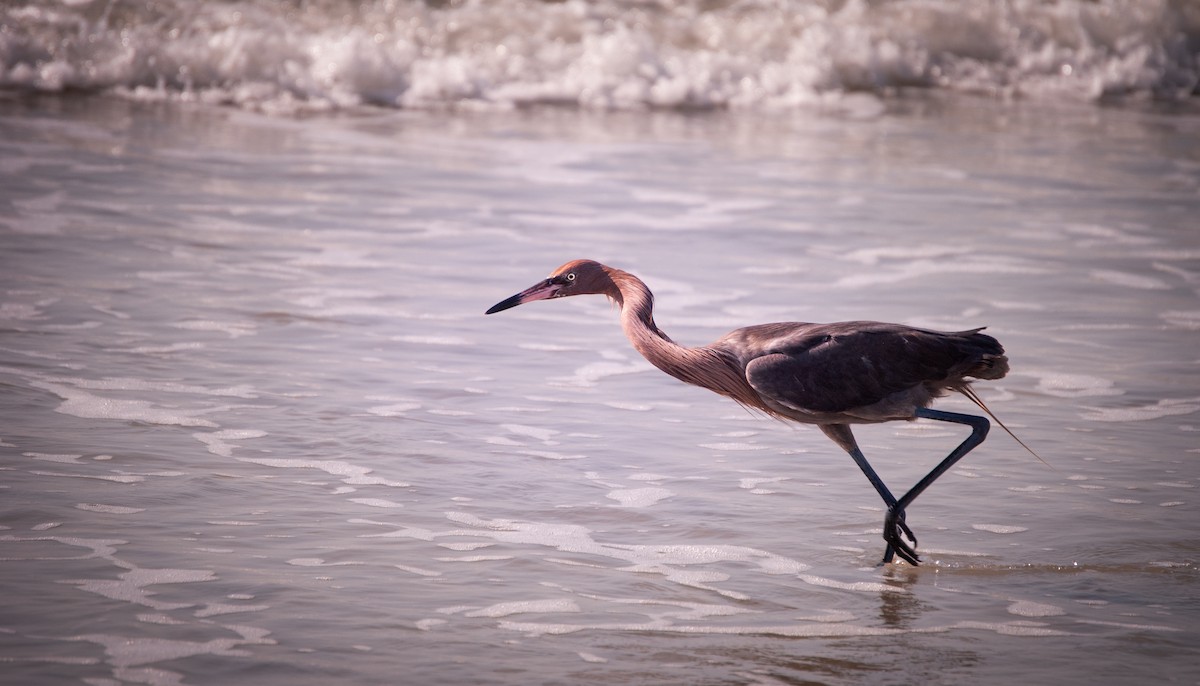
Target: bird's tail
<point x="990" y="366"/>
<point x="985" y="353"/>
<point x="967" y="391"/>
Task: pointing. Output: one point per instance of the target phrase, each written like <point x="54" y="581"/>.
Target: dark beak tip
<point x="504" y="304"/>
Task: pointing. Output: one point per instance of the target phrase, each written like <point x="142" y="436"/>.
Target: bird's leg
<point x="893" y="524"/>
<point x="897" y="509"/>
<point x="894" y="520"/>
<point x="979" y="430"/>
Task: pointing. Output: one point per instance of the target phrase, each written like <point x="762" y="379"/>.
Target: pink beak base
<point x="539" y="291"/>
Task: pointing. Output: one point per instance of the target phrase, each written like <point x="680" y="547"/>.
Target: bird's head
<point x="577" y="277"/>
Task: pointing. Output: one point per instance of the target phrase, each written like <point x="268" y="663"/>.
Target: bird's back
<point x="868" y="371"/>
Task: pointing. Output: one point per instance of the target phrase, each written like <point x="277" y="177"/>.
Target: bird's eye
<point x="571" y="276"/>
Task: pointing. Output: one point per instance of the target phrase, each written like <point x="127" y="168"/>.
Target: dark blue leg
<point x="895" y="516"/>
<point x="895" y="544"/>
<point x="841" y="434"/>
<point x="979" y="430"/>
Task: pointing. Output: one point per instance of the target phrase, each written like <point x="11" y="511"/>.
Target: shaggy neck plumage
<point x="705" y="366"/>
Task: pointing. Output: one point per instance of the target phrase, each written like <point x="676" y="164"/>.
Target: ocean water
<point x="255" y="428"/>
<point x="312" y="55"/>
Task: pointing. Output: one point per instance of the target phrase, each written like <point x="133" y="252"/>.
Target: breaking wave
<point x="289" y="55"/>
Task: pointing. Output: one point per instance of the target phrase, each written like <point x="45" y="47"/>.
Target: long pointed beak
<point x="542" y="290"/>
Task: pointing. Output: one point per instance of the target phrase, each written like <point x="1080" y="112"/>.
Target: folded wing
<point x="834" y="368"/>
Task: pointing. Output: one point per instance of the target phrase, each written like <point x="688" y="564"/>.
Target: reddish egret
<point x="831" y="375"/>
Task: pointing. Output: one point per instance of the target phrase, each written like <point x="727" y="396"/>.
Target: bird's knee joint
<point x="981" y="426"/>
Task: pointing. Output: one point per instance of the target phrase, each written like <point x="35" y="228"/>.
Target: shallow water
<point x="256" y="429"/>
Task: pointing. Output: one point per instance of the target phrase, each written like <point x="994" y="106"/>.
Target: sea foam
<point x="608" y="54"/>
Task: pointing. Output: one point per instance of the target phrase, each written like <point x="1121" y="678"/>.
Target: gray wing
<point x="839" y="367"/>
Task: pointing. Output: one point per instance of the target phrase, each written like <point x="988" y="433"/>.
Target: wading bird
<point x="830" y="375"/>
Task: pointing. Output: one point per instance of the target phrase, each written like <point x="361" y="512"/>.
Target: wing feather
<point x="833" y="368"/>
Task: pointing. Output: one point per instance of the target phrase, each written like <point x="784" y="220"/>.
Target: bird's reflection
<point x="899" y="607"/>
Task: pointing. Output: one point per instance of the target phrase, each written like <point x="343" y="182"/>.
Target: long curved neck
<point x="705" y="366"/>
<point x="637" y="319"/>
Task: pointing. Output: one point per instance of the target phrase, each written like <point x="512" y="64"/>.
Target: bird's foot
<point x="893" y="527"/>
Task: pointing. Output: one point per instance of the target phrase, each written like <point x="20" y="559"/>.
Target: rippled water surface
<point x="255" y="428"/>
